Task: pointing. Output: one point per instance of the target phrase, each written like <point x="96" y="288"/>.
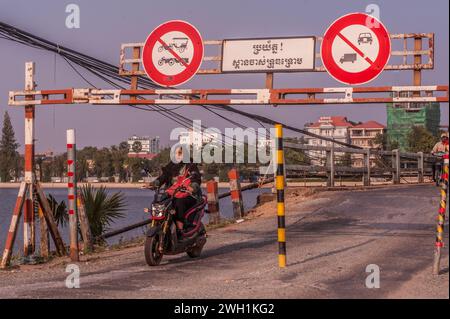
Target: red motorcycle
<point x="162" y="236"/>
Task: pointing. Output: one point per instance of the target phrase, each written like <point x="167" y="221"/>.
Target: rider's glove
<point x="155" y="183"/>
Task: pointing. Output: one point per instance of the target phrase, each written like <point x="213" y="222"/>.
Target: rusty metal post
<point x="366" y="175"/>
<point x="269" y="80"/>
<point x="72" y="195"/>
<point x="28" y="222"/>
<point x="213" y="201"/>
<point x="417" y="79"/>
<point x="420" y="169"/>
<point x="396" y="166"/>
<point x="236" y="195"/>
<point x="17" y="212"/>
<point x="441" y="218"/>
<point x="330" y="166"/>
<point x="135" y="68"/>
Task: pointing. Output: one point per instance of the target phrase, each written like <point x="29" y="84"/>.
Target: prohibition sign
<point x="173" y="53"/>
<point x="355" y="48"/>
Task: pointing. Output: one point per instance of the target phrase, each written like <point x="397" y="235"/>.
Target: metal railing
<point x="373" y="163"/>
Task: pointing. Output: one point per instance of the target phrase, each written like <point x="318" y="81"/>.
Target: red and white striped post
<point x="28" y="220"/>
<point x="72" y="195"/>
<point x="213" y="201"/>
<point x="236" y="195"/>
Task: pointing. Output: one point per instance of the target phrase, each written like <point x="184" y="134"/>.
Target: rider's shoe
<point x="180" y="236"/>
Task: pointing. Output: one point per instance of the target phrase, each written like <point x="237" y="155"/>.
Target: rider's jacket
<point x="184" y="174"/>
<point x="440" y="148"/>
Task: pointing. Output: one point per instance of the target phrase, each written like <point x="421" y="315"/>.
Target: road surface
<point x="331" y="238"/>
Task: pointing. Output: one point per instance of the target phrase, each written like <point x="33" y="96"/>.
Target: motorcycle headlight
<point x="157" y="210"/>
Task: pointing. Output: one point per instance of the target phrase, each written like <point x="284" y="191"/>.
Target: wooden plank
<point x="48" y="215"/>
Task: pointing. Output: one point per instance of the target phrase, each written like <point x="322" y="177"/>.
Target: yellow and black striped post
<point x="279" y="182"/>
<point x="441" y="218"/>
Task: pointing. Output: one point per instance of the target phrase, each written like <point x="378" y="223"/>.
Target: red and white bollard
<point x="28" y="220"/>
<point x="236" y="195"/>
<point x="72" y="195"/>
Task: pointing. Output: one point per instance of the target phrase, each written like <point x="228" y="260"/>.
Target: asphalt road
<point x="331" y="238"/>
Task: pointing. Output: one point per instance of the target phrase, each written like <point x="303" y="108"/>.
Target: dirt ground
<point x="332" y="236"/>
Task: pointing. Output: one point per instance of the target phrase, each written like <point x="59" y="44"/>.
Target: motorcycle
<point x="161" y="238"/>
<point x="439" y="167"/>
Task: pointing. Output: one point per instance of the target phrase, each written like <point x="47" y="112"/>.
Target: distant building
<point x="333" y="127"/>
<point x="363" y="135"/>
<point x="143" y="147"/>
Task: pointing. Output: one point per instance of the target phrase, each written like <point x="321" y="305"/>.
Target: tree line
<point x="112" y="164"/>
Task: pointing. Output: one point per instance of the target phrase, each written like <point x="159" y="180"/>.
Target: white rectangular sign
<point x="269" y="55"/>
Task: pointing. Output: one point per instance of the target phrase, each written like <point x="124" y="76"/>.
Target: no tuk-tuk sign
<point x="173" y="53"/>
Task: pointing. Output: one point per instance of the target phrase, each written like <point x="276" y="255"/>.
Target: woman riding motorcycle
<point x="178" y="175"/>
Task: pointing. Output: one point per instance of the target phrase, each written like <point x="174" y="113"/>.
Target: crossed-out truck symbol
<point x="348" y="57"/>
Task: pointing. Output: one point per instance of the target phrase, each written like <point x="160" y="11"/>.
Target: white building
<point x="333" y="127"/>
<point x="363" y="135"/>
<point x="143" y="147"/>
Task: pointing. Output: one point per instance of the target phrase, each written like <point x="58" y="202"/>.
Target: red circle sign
<point x="172" y="53"/>
<point x="355" y="48"/>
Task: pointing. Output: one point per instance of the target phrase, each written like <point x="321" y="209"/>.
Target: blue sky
<point x="107" y="24"/>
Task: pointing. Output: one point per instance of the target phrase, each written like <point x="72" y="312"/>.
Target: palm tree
<point x="59" y="211"/>
<point x="101" y="208"/>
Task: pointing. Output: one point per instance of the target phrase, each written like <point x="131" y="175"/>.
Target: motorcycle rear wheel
<point x="196" y="251"/>
<point x="153" y="256"/>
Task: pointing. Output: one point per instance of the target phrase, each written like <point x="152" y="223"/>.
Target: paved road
<point x="331" y="238"/>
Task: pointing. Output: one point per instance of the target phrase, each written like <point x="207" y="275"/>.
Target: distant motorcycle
<point x="162" y="237"/>
<point x="439" y="168"/>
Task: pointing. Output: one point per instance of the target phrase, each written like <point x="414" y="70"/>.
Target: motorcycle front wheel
<point x="153" y="256"/>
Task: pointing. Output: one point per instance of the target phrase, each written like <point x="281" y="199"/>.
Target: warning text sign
<point x="269" y="55"/>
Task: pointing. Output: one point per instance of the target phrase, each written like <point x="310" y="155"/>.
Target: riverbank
<point x="109" y="185"/>
<point x="338" y="183"/>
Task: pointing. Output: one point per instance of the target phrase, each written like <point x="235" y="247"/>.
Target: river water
<point x="136" y="200"/>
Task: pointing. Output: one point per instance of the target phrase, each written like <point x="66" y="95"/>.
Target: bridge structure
<point x="415" y="60"/>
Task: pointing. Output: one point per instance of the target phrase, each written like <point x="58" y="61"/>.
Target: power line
<point x="106" y="70"/>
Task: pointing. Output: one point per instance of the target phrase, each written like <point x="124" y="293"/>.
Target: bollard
<point x="236" y="195"/>
<point x="28" y="221"/>
<point x="213" y="202"/>
<point x="441" y="218"/>
<point x="279" y="182"/>
<point x="72" y="196"/>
